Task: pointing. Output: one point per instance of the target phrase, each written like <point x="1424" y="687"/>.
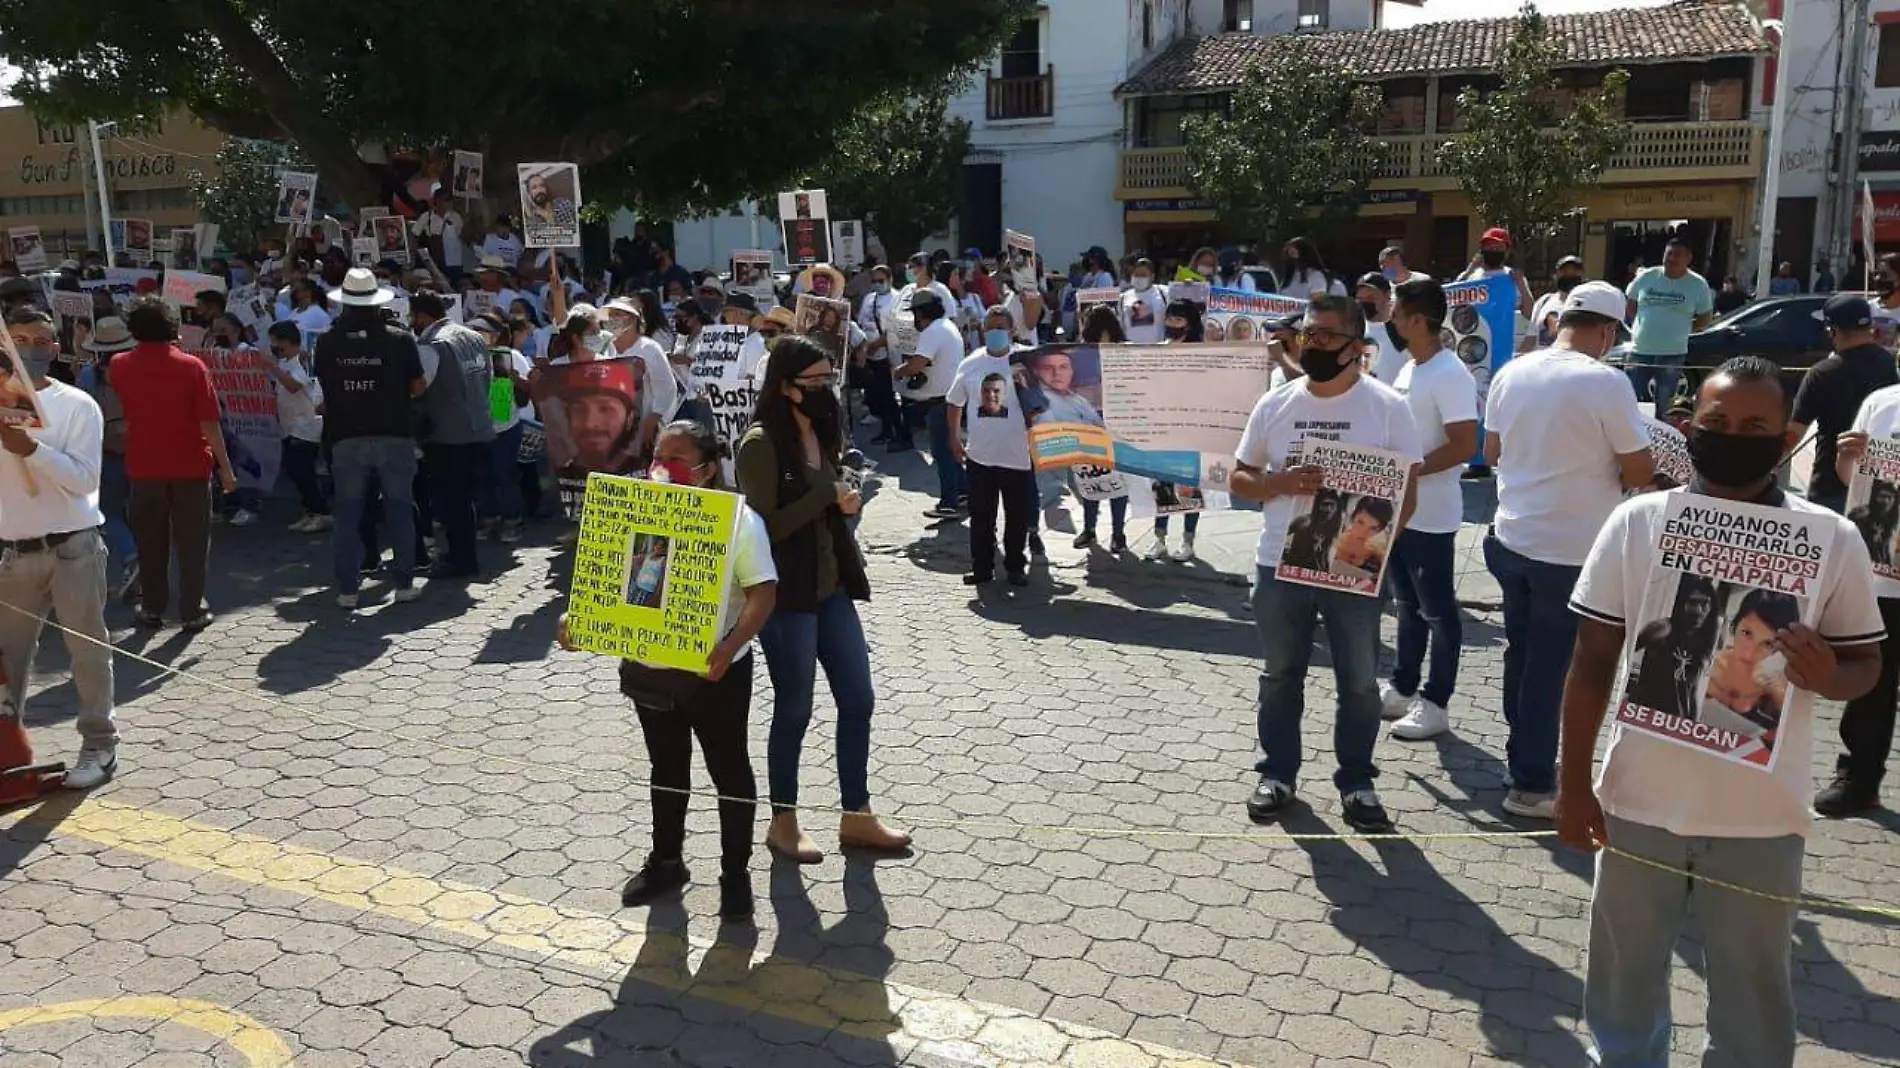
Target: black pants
<point x="454" y="471"/>
<point x="172" y="515"/>
<point x="880" y="395"/>
<point x="1015" y="489"/>
<point x="716" y="712"/>
<point x="300" y="465"/>
<point x="1867" y="721"/>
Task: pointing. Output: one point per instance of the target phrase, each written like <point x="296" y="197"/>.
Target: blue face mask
<point x="997" y="341"/>
<point x="1391" y="274"/>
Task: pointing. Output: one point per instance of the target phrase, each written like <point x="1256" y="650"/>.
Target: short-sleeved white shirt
<point x="751" y="565"/>
<point x="1656" y="782"/>
<point x="1563" y="418"/>
<point x="1879" y="417"/>
<point x="1371" y="413"/>
<point x="1438" y="392"/>
<point x="998" y="434"/>
<point x="942" y="345"/>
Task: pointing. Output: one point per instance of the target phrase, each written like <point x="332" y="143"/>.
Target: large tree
<point x="242" y="197"/>
<point x="670" y="105"/>
<point x="1532" y="144"/>
<point x="1291" y="152"/>
<point x="898" y="165"/>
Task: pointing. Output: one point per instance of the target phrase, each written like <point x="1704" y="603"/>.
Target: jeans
<point x="1422" y="570"/>
<point x="69" y="578"/>
<point x="795" y="644"/>
<point x="1188" y="525"/>
<point x="1540" y="632"/>
<point x="1665" y="375"/>
<point x="1117" y="515"/>
<point x="172" y="515"/>
<point x="1636" y="914"/>
<point x="950" y="481"/>
<point x="393" y="462"/>
<point x="1285" y="614"/>
<point x="300" y="466"/>
<point x="501" y="482"/>
<point x="115" y="494"/>
<point x="716" y="713"/>
<point x="1013" y="489"/>
<point x="454" y="473"/>
<point x="1867" y="721"/>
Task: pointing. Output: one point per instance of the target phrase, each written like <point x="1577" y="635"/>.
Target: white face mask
<point x="1142" y="282"/>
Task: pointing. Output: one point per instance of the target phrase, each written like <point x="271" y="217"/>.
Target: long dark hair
<point x="1102" y="325"/>
<point x="653" y="317"/>
<point x="705" y="441"/>
<point x="1191" y="312"/>
<point x="790" y="356"/>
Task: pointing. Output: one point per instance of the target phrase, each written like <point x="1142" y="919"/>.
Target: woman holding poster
<point x="788" y="467"/>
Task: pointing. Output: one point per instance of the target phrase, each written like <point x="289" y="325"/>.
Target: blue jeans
<point x="950" y="480"/>
<point x="1540" y="632"/>
<point x="1665" y="376"/>
<point x="795" y="644"/>
<point x="1188" y="525"/>
<point x="1117" y="514"/>
<point x="500" y="487"/>
<point x="1423" y="572"/>
<point x="393" y="462"/>
<point x="1636" y="916"/>
<point x="115" y="494"/>
<point x="1285" y="614"/>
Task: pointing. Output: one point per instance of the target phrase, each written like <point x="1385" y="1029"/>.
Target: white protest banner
<point x="1183" y="398"/>
<point x="1340" y="537"/>
<point x="804" y="218"/>
<point x="364" y="215"/>
<point x="1873" y="503"/>
<point x="182" y="287"/>
<point x="71" y="307"/>
<point x="752" y="274"/>
<point x="296" y="197"/>
<point x="184" y="253"/>
<point x="363" y="251"/>
<point x="1704" y="671"/>
<point x="717" y="363"/>
<point x="29" y="249"/>
<point x="477" y="303"/>
<point x="75" y="321"/>
<point x="207" y="237"/>
<point x="247" y="405"/>
<point x="847" y="243"/>
<point x="392" y="239"/>
<point x="550" y="204"/>
<point x="1242" y="314"/>
<point x="467" y="183"/>
<point x="1095" y="483"/>
<point x="1019" y="260"/>
<point x="122" y="284"/>
<point x="1670" y="450"/>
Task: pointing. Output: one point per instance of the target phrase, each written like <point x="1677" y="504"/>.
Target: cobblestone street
<point x="398" y="839"/>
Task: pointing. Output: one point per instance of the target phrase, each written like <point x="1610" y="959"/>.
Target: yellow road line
<point x="907" y="1017"/>
<point x="259" y="1044"/>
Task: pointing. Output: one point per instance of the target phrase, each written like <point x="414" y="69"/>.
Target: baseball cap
<point x="1845" y="311"/>
<point x="1570" y="261"/>
<point x="1595" y="298"/>
<point x="1376" y="280"/>
<point x="1496" y="235"/>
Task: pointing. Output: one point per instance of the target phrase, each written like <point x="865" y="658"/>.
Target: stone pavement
<point x="398" y="838"/>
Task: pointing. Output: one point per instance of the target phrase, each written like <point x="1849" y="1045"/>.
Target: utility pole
<point x="1851" y="83"/>
<point x="1771" y="176"/>
<point x="105" y="194"/>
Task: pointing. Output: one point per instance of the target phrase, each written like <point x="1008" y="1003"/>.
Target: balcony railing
<point x="1029" y="97"/>
<point x="1701" y="146"/>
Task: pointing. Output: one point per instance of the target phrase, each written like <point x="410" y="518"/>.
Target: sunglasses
<point x="818" y="382"/>
<point x="1325" y="339"/>
<point x="770" y="335"/>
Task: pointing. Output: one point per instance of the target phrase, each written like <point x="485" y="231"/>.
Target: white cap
<point x="1597" y="298"/>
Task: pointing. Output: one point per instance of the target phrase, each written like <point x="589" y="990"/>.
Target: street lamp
<point x="1771" y="178"/>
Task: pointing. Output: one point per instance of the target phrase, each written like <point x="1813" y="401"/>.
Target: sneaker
<point x="319" y="524"/>
<point x="1364" y="813"/>
<point x="301" y="525"/>
<point x="1160" y="550"/>
<point x="1392" y="703"/>
<point x="1036" y="549"/>
<point x="1186" y="552"/>
<point x="243" y="517"/>
<point x="653" y="881"/>
<point x="1271" y="798"/>
<point x="1118" y="544"/>
<point x="942" y="511"/>
<point x="510" y="531"/>
<point x="194" y="624"/>
<point x="735" y="898"/>
<point x="347" y="600"/>
<point x="1423" y="720"/>
<point x="976" y="579"/>
<point x="405" y="594"/>
<point x="1846" y="797"/>
<point x="1084" y="540"/>
<point x="1531" y="806"/>
<point x="95" y="765"/>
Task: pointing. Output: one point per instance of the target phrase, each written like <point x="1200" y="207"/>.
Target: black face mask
<point x="818" y="405"/>
<point x="1883" y="286"/>
<point x="1321" y="365"/>
<point x="1568" y="282"/>
<point x="1733" y="461"/>
<point x="1369" y="310"/>
<point x="1392" y="334"/>
<point x="1493" y="258"/>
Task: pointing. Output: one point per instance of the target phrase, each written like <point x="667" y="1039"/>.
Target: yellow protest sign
<point x="652" y="571"/>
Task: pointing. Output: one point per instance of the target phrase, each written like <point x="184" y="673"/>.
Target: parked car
<point x="1787" y="330"/>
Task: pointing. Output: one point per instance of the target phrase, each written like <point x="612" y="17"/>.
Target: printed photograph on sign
<point x="806" y="227"/>
<point x="1670" y="450"/>
<point x="847" y="243"/>
<point x="1704" y="669"/>
<point x="550" y="204"/>
<point x="1087" y="300"/>
<point x="392" y="239"/>
<point x="646" y="571"/>
<point x="822" y="280"/>
<point x="826" y="322"/>
<point x="590" y="413"/>
<point x="19" y="402"/>
<point x="115" y="232"/>
<point x="1065" y="384"/>
<point x="363" y="251"/>
<point x="184" y="255"/>
<point x="1873" y="503"/>
<point x="752" y="274"/>
<point x="1019" y="260"/>
<point x="29" y="250"/>
<point x="138" y="239"/>
<point x="1341" y="536"/>
<point x="467" y="183"/>
<point x="296" y="196"/>
<point x="75" y="312"/>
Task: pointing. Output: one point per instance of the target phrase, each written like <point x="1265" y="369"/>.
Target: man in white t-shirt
<point x="503" y="243"/>
<point x="1384" y="357"/>
<point x="923" y="378"/>
<point x="1443" y="399"/>
<point x="1144" y="305"/>
<point x="1544" y="313"/>
<point x="1392" y="266"/>
<point x="996" y="461"/>
<point x="1690" y="810"/>
<point x="1566" y="440"/>
<point x="1337" y="402"/>
<point x="444" y="224"/>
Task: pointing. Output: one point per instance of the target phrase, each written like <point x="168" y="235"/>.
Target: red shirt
<point x="166" y="394"/>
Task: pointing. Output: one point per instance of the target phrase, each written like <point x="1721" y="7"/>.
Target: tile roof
<point x="1687" y="30"/>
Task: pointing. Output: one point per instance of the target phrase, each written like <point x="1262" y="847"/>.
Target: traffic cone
<point x="20" y="778"/>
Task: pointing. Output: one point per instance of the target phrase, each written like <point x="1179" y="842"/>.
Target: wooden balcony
<point x="1029" y="97"/>
<point x="1663" y="151"/>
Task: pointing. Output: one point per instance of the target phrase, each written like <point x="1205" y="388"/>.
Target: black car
<point x="1787" y="330"/>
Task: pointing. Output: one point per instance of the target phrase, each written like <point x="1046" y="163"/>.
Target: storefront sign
<point x="1880" y="151"/>
<point x="1886" y="216"/>
<point x="1170" y="204"/>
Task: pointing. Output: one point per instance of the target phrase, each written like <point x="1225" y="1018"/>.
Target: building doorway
<point x="1635" y="244"/>
<point x="980" y="222"/>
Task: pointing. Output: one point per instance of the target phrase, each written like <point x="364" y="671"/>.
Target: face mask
<point x="880" y="288"/>
<point x="997" y="341"/>
<point x="1205" y="270"/>
<point x="1369" y="310"/>
<point x="1568" y="282"/>
<point x="1733" y="461"/>
<point x="1174" y="333"/>
<point x="37" y="361"/>
<point x="910" y="275"/>
<point x="1493" y="258"/>
<point x="240" y="276"/>
<point x="818" y="404"/>
<point x="1391" y="274"/>
<point x="672" y="472"/>
<point x="1321" y="365"/>
<point x="1883" y="286"/>
<point x="669" y="306"/>
<point x="1142" y="282"/>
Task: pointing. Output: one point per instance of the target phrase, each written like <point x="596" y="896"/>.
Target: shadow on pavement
<point x="43" y="818"/>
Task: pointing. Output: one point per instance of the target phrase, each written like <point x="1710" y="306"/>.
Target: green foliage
<point x="670" y="105"/>
<point x="898" y="165"/>
<point x="1293" y="151"/>
<point x="1529" y="149"/>
<point x="242" y="199"/>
